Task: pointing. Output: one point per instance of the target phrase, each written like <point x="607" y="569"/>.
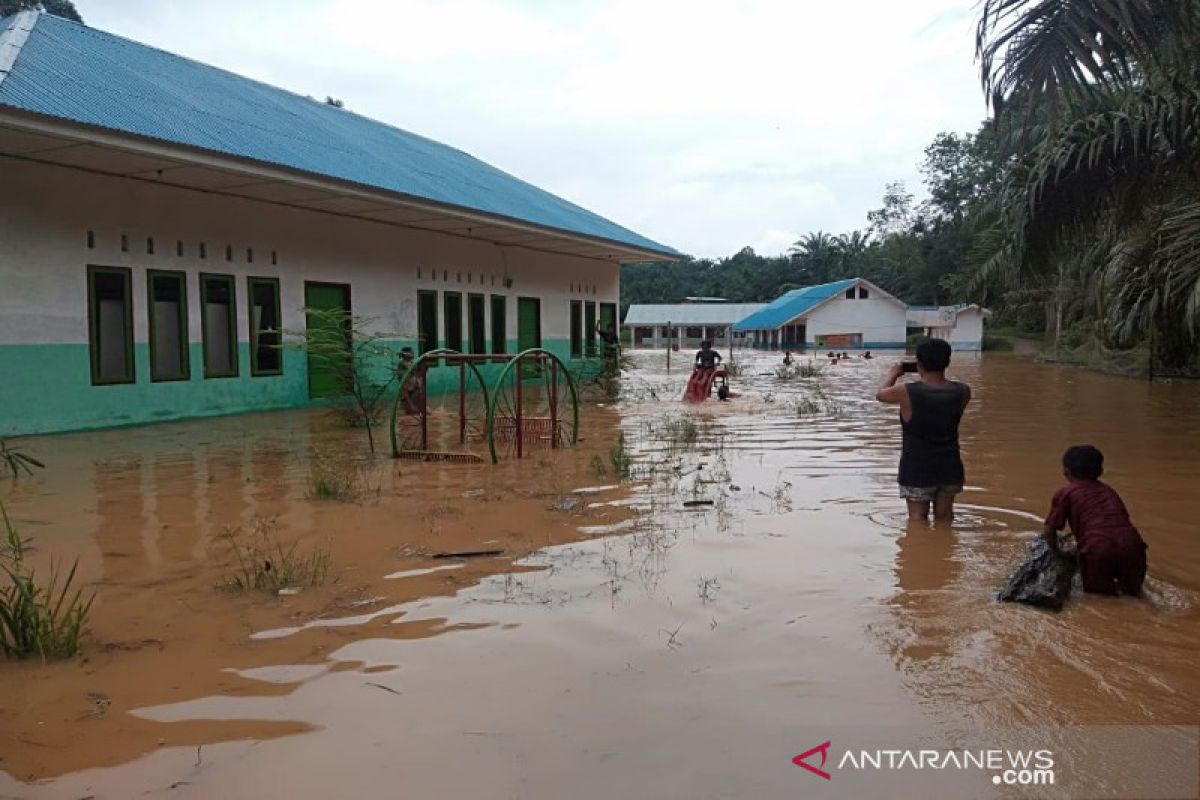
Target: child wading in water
<point x="1112" y="555"/>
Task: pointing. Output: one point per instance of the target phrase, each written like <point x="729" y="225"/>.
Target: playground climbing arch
<point x="531" y="404"/>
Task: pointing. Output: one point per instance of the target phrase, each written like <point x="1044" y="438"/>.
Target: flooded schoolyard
<point x="735" y="584"/>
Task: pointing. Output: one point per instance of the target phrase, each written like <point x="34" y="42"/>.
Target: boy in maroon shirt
<point x="1112" y="555"/>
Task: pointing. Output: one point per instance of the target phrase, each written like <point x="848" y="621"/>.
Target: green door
<point x="608" y="317"/>
<point x="328" y="369"/>
<point x="529" y="323"/>
<point x="529" y="331"/>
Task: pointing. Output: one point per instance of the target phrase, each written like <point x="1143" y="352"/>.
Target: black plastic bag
<point x="1042" y="580"/>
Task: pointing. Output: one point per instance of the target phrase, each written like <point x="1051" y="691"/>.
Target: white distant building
<point x="847" y="314"/>
<point x="960" y="325"/>
<point x="688" y="324"/>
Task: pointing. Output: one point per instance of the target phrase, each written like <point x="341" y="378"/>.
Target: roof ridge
<point x="13" y="38"/>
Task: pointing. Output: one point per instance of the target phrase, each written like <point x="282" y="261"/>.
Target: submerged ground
<point x="626" y="644"/>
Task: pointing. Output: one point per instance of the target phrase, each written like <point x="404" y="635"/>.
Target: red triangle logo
<point x="823" y="749"/>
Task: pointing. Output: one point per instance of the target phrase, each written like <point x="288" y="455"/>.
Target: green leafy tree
<point x="59" y="8"/>
<point x="1101" y="101"/>
<point x="358" y="354"/>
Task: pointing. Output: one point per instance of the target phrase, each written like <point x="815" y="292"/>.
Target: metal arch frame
<point x="433" y="355"/>
<point x="540" y="354"/>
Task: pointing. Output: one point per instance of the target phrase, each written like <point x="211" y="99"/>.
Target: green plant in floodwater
<point x="14" y="460"/>
<point x="808" y="370"/>
<point x="806" y="407"/>
<point x="622" y="461"/>
<point x="597" y="465"/>
<point x="681" y="432"/>
<point x="35" y="620"/>
<point x="815" y="403"/>
<point x="262" y="563"/>
<point x="337" y="479"/>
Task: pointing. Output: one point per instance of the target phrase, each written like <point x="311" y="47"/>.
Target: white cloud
<point x="708" y="125"/>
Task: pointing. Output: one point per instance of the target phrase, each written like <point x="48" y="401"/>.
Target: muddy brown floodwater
<point x="625" y="644"/>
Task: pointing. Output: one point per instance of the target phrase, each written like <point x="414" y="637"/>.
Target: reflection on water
<point x="770" y="580"/>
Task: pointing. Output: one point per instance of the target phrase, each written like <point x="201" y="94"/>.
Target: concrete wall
<point x="46" y="213"/>
<point x="879" y="320"/>
<point x="962" y="329"/>
<point x="967" y="334"/>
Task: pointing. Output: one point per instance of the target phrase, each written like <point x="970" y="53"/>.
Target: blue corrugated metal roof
<point x="792" y="304"/>
<point x="81" y="74"/>
<point x="689" y="313"/>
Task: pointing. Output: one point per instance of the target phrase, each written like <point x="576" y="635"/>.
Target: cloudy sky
<point x="708" y="125"/>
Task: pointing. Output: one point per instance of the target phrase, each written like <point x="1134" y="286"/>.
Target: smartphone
<point x="910" y="366"/>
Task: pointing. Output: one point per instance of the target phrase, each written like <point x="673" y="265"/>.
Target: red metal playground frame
<point x="526" y="406"/>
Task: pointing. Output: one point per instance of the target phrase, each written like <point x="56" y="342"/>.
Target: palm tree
<point x="1100" y="101"/>
<point x="818" y="257"/>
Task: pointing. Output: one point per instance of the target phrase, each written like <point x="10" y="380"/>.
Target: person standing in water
<point x="706" y="357"/>
<point x="931" y="468"/>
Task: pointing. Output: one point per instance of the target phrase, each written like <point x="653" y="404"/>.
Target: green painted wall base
<point x="48" y="389"/>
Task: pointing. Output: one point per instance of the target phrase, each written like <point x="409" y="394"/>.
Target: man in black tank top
<point x="931" y="468"/>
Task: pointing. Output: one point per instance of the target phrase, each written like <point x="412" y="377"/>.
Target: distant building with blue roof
<point x="847" y="314"/>
<point x="686" y="324"/>
<point x="162" y="220"/>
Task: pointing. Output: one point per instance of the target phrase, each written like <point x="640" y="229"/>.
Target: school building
<point x="163" y="221"/>
<point x="851" y="313"/>
<point x="686" y="324"/>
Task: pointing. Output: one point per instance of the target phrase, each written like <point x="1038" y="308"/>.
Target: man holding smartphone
<point x="931" y="468"/>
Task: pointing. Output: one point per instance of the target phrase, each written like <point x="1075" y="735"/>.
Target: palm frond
<point x="1048" y="52"/>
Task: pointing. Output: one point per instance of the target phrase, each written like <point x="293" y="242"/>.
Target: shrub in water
<point x="35" y="620"/>
<point x="262" y="563"/>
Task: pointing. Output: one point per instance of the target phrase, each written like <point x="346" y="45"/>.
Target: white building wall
<point x="879" y="320"/>
<point x="967" y="333"/>
<point x="46" y="212"/>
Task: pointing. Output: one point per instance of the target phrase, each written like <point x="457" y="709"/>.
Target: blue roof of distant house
<point x="84" y="75"/>
<point x="788" y="306"/>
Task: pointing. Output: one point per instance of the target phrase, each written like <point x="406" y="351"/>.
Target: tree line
<point x="1073" y="210"/>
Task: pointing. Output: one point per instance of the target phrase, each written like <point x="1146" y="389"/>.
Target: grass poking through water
<point x="622" y="461"/>
<point x="262" y="563"/>
<point x="14" y="461"/>
<point x="45" y="621"/>
<point x="338" y="479"/>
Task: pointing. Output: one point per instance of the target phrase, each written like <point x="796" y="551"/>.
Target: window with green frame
<point x="110" y="324"/>
<point x="427" y="321"/>
<point x="452" y="319"/>
<point x="218" y="322"/>
<point x="476" y="324"/>
<point x="499" y="324"/>
<point x="266" y="357"/>
<point x="589" y="328"/>
<point x="576" y="329"/>
<point x="166" y="298"/>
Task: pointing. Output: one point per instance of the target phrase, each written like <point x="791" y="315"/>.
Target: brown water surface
<point x="638" y="647"/>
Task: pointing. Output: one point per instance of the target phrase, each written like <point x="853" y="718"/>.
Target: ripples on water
<point x="956" y="647"/>
<point x="802" y="593"/>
